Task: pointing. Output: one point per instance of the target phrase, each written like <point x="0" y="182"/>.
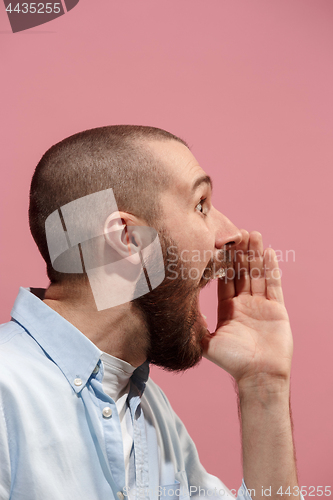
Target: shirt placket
<point x="140" y="445"/>
<point x="109" y="429"/>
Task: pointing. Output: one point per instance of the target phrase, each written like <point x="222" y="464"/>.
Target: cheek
<point x="195" y="241"/>
<point x="199" y="234"/>
<point x="202" y="251"/>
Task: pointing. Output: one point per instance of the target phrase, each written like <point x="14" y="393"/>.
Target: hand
<point x="253" y="340"/>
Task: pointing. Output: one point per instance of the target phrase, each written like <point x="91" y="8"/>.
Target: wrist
<point x="261" y="389"/>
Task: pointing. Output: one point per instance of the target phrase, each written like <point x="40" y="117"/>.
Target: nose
<point x="227" y="234"/>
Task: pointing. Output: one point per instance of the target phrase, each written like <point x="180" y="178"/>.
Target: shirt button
<point x="77" y="381"/>
<point x="107" y="412"/>
<point x="96" y="369"/>
<point x="120" y="495"/>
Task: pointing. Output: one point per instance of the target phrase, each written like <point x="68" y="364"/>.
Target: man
<point x="79" y="416"/>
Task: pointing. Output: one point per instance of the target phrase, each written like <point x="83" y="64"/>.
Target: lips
<point x="210" y="274"/>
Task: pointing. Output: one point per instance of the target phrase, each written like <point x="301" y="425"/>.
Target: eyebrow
<point x="204" y="179"/>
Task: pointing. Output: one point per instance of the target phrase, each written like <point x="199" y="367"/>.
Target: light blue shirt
<point x="60" y="435"/>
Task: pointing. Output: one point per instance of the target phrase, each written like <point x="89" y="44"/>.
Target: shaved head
<point x="116" y="157"/>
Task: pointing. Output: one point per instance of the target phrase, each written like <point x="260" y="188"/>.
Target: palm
<point x="253" y="334"/>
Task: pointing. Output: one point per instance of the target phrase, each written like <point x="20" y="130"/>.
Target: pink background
<point x="249" y="84"/>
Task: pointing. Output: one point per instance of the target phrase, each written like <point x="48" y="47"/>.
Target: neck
<point x="119" y="331"/>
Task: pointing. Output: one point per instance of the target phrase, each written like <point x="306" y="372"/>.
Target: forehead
<point x="178" y="160"/>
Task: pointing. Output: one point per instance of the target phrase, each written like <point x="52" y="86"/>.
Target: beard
<point x="171" y="314"/>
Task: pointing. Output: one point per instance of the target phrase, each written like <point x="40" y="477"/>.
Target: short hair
<point x="91" y="161"/>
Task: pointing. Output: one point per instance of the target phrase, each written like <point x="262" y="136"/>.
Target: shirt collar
<point x="140" y="376"/>
<point x="70" y="349"/>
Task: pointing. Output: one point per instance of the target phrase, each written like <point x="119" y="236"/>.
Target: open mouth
<point x="210" y="274"/>
<point x="220" y="273"/>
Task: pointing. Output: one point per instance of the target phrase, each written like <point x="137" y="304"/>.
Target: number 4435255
<point x="35" y="8"/>
<point x="310" y="491"/>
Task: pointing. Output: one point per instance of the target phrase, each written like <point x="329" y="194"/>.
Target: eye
<point x="200" y="206"/>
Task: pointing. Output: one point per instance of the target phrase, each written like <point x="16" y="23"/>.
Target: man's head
<point x="114" y="157"/>
<point x="157" y="182"/>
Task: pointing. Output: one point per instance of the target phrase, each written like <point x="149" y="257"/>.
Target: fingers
<point x="249" y="265"/>
<point x="242" y="277"/>
<point x="273" y="276"/>
<point x="256" y="264"/>
<point x="254" y="272"/>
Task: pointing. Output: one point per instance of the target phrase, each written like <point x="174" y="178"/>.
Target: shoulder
<point x="8" y="331"/>
<point x="161" y="407"/>
<point x="10" y="352"/>
<point x="20" y="356"/>
<point x="155" y="396"/>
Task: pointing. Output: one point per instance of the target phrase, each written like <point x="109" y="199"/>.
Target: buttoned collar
<point x="69" y="349"/>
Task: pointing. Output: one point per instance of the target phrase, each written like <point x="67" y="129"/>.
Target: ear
<point x="121" y="233"/>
